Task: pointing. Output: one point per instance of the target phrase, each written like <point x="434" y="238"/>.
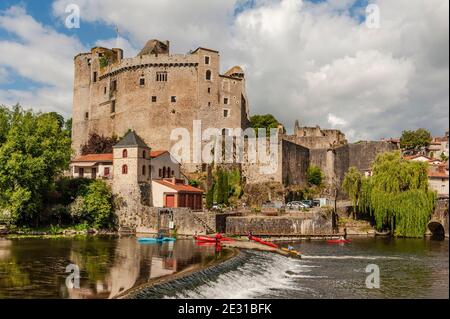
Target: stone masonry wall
<point x="315" y="224"/>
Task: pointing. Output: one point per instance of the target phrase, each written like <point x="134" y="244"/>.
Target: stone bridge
<point x="438" y="225"/>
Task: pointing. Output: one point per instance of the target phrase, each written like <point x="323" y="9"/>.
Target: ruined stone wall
<point x="362" y="154"/>
<point x="315" y="224"/>
<point x="295" y="163"/>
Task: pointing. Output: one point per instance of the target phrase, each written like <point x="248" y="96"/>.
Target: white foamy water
<point x="353" y="257"/>
<point x="264" y="273"/>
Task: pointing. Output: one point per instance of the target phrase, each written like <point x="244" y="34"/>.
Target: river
<point x="111" y="265"/>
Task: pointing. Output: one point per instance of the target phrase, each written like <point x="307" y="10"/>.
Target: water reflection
<point x="35" y="268"/>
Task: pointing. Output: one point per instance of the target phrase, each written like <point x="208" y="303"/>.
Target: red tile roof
<point x="179" y="187"/>
<point x="437" y="174"/>
<point x="94" y="158"/>
<point x="415" y="156"/>
<point x="154" y="154"/>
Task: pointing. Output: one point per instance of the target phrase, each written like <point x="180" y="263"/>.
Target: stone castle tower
<point x="132" y="178"/>
<point x="153" y="93"/>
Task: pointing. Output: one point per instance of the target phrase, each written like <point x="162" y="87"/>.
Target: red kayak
<point x="259" y="240"/>
<point x="339" y="241"/>
<point x="212" y="239"/>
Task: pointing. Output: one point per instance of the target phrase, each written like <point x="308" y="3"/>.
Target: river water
<point x="109" y="266"/>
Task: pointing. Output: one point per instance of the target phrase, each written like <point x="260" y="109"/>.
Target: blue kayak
<point x="155" y="240"/>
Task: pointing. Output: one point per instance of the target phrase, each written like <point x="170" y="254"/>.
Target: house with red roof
<point x="133" y="164"/>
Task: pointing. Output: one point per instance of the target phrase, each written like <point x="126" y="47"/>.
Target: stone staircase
<point x="209" y="228"/>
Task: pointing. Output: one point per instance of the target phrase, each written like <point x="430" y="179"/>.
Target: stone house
<point x="93" y="166"/>
<point x="173" y="193"/>
<point x="438" y="179"/>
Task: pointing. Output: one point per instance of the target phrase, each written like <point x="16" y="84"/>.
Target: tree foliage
<point x="315" y="175"/>
<point x="352" y="184"/>
<point x="397" y="195"/>
<point x="266" y="121"/>
<point x="97" y="206"/>
<point x="34" y="150"/>
<point x="99" y="144"/>
<point x="413" y="140"/>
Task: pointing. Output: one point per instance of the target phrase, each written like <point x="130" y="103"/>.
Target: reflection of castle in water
<point x="132" y="264"/>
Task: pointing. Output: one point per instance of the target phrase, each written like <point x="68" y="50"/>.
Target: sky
<point x="334" y="63"/>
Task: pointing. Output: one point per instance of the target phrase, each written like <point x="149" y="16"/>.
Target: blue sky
<point x="312" y="60"/>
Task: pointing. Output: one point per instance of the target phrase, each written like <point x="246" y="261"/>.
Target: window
<point x="225" y="100"/>
<point x="160" y="173"/>
<point x="124" y="169"/>
<point x="94" y="77"/>
<point x="207" y="59"/>
<point x="114" y="85"/>
<point x="173" y="173"/>
<point x="89" y="61"/>
<point x="124" y="153"/>
<point x="164" y="172"/>
<point x="173" y="99"/>
<point x="141" y="81"/>
<point x="143" y="170"/>
<point x="86" y="115"/>
<point x="143" y="154"/>
<point x="209" y="103"/>
<point x="154" y="99"/>
<point x="113" y="106"/>
<point x="104" y="90"/>
<point x="226" y="113"/>
<point x="208" y="75"/>
<point x="209" y="90"/>
<point x="106" y="171"/>
<point x="81" y="170"/>
<point x="161" y="76"/>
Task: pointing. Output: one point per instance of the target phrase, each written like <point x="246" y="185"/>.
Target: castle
<point x="153" y="93"/>
<point x="156" y="92"/>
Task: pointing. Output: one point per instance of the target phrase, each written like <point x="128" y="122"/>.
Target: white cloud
<point x="41" y="55"/>
<point x="303" y="60"/>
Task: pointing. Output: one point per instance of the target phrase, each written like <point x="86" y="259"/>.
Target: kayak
<point x="292" y="251"/>
<point x="339" y="241"/>
<point x="212" y="239"/>
<point x="155" y="240"/>
<point x="259" y="240"/>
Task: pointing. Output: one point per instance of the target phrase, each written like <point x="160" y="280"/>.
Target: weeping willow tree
<point x="352" y="185"/>
<point x="397" y="195"/>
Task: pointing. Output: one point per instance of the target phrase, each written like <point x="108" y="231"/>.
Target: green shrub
<point x="98" y="208"/>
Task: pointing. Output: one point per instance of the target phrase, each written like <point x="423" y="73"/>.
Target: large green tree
<point x="315" y="175"/>
<point x="413" y="140"/>
<point x="266" y="121"/>
<point x="34" y="150"/>
<point x="397" y="195"/>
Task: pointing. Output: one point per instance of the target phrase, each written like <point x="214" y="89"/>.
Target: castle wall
<point x="295" y="163"/>
<point x="362" y="154"/>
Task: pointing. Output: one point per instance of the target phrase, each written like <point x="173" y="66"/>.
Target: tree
<point x="443" y="157"/>
<point x="99" y="144"/>
<point x="352" y="184"/>
<point x="414" y="140"/>
<point x="397" y="195"/>
<point x="266" y="121"/>
<point x="315" y="175"/>
<point x="98" y="206"/>
<point x="35" y="150"/>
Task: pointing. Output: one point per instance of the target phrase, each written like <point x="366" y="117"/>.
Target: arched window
<point x="173" y="173"/>
<point x="164" y="172"/>
<point x="143" y="154"/>
<point x="143" y="170"/>
<point x="160" y="172"/>
<point x="124" y="169"/>
<point x="208" y="75"/>
<point x="124" y="153"/>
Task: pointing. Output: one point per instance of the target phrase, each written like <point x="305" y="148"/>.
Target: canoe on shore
<point x="259" y="240"/>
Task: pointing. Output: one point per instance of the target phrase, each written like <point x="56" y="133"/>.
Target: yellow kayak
<point x="293" y="252"/>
